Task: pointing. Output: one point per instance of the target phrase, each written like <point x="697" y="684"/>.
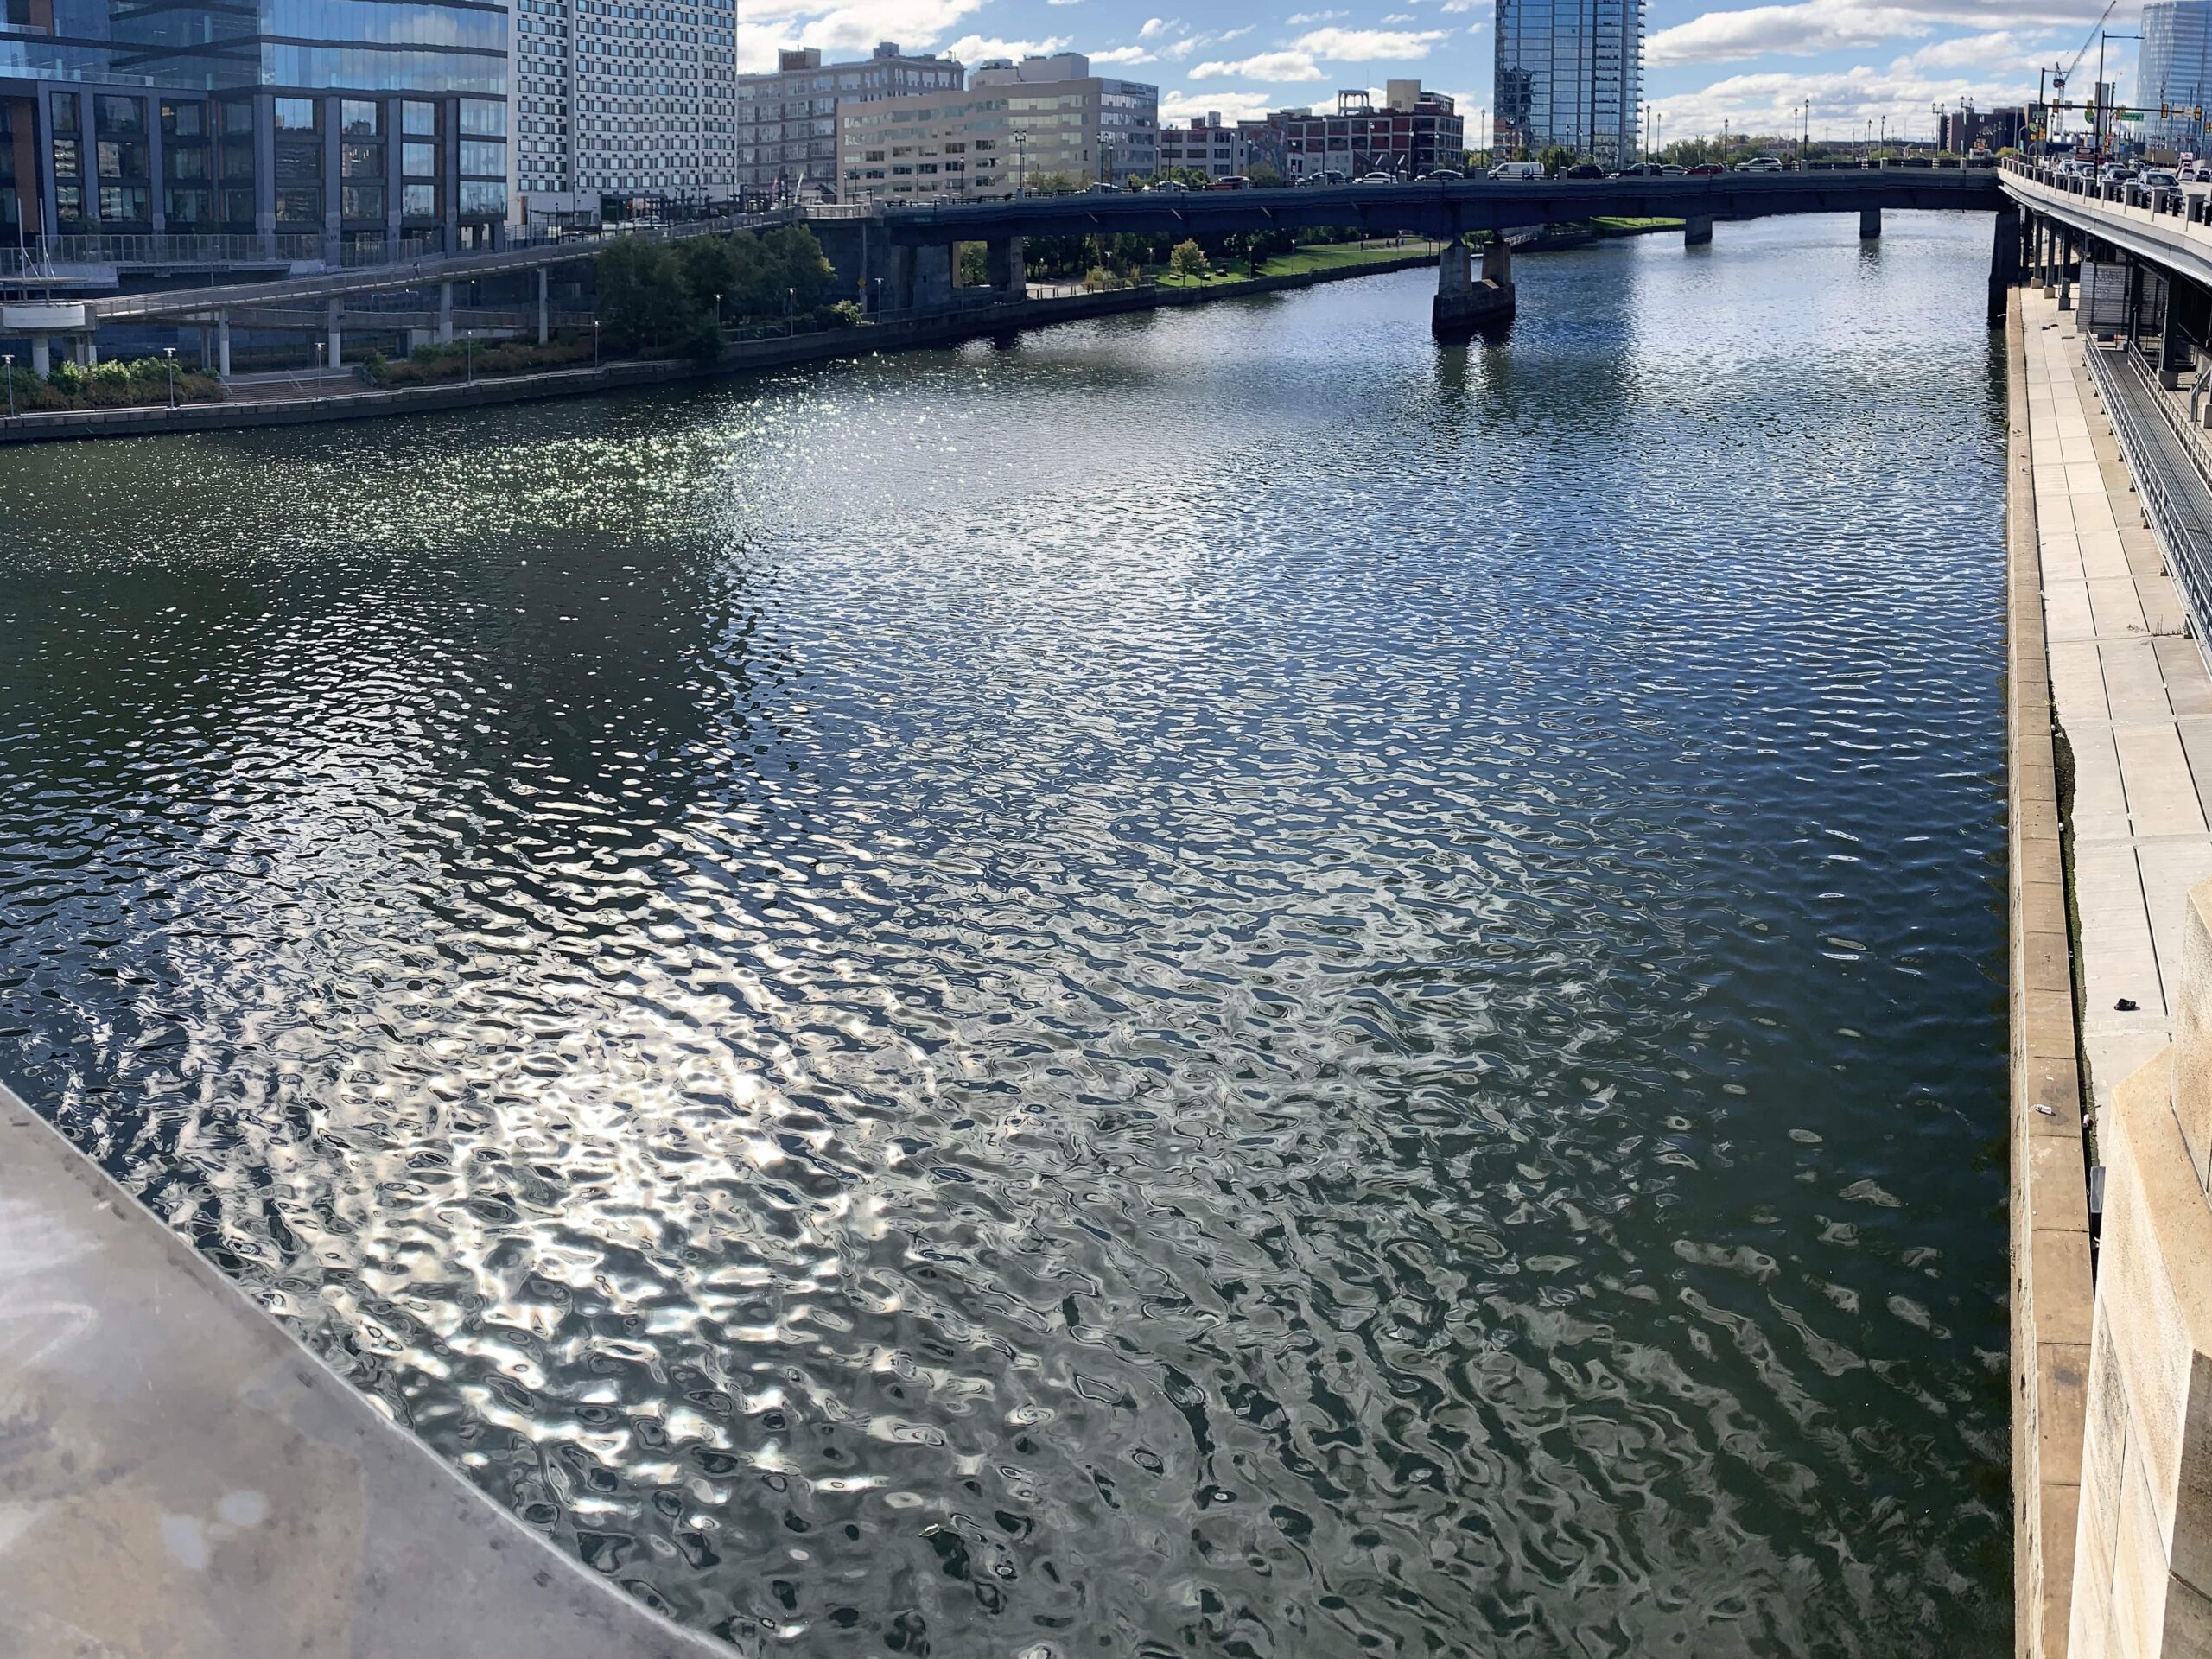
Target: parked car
<point x="1643" y="170"/>
<point x="1233" y="182"/>
<point x="1102" y="188"/>
<point x="1442" y="175"/>
<point x="1377" y="178"/>
<point x="1523" y="171"/>
<point x="1760" y="164"/>
<point x="1709" y="170"/>
<point x="1583" y="170"/>
<point x="1673" y="171"/>
<point x="1172" y="187"/>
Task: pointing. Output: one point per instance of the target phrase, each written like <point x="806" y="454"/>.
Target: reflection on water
<point x="1224" y="984"/>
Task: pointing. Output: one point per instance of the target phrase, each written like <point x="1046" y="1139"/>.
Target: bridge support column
<point x="330" y="313"/>
<point x="2047" y="255"/>
<point x="932" y="278"/>
<point x="2065" y="269"/>
<point x="1465" y="301"/>
<point x="2004" y="264"/>
<point x="544" y="328"/>
<point x="222" y="346"/>
<point x="92" y="348"/>
<point x="1870" y="224"/>
<point x="445" y="313"/>
<point x="41" y="356"/>
<point x="1697" y="230"/>
<point x="1007" y="271"/>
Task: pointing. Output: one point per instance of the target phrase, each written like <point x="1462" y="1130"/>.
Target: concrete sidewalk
<point x="2134" y="701"/>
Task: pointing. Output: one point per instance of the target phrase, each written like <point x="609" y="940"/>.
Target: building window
<point x="419" y="200"/>
<point x="121" y="118"/>
<point x="361" y="117"/>
<point x="419" y="160"/>
<point x="483" y="200"/>
<point x="185" y="207"/>
<point x="125" y="203"/>
<point x="360" y="161"/>
<point x="237" y="208"/>
<point x="295" y="114"/>
<point x="120" y="161"/>
<point x="483" y="117"/>
<point x="300" y="205"/>
<point x="482" y="159"/>
<point x="419" y="120"/>
<point x="64" y="112"/>
<point x="184" y="120"/>
<point x="362" y="200"/>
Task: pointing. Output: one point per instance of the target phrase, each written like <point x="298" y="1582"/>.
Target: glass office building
<point x="2173" y="67"/>
<point x="1570" y="76"/>
<point x="303" y="124"/>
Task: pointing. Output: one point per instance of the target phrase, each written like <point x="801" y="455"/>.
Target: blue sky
<point x="1858" y="60"/>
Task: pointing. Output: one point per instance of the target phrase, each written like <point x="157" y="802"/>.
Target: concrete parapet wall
<point x="2049" y="1245"/>
<point x="2143" y="1588"/>
<point x="182" y="1480"/>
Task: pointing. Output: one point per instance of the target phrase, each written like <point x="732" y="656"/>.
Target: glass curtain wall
<point x="1570" y="76"/>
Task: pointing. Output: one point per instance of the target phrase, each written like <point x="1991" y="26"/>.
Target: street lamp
<point x="169" y="352"/>
<point x="878" y="280"/>
<point x="594" y="345"/>
<point x="468" y="355"/>
<point x="791" y="296"/>
<point x="1022" y="153"/>
<point x="9" y="360"/>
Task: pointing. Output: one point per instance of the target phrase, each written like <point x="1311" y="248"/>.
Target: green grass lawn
<point x="1320" y="256"/>
<point x="1617" y="227"/>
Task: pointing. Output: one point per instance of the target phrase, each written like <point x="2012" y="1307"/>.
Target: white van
<point x="1517" y="171"/>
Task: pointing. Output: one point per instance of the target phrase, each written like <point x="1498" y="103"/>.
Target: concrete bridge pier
<point x="331" y="314"/>
<point x="2046" y="259"/>
<point x="1465" y="301"/>
<point x="88" y="352"/>
<point x="544" y="323"/>
<point x="1870" y="224"/>
<point x="42" y="355"/>
<point x="2065" y="269"/>
<point x="1697" y="230"/>
<point x="1008" y="273"/>
<point x="223" y="346"/>
<point x="445" y="313"/>
<point x="2004" y="264"/>
<point x="922" y="278"/>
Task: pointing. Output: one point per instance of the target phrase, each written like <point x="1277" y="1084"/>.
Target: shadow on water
<point x="1224" y="983"/>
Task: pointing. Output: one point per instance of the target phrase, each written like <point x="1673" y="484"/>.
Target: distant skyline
<point x="1859" y="61"/>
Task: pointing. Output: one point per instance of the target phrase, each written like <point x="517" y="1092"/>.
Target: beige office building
<point x="1013" y="124"/>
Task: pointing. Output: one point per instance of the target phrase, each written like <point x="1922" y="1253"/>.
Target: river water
<point x="1213" y="984"/>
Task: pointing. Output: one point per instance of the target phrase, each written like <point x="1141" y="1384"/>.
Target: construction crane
<point x="2060" y="78"/>
<point x="2095" y="29"/>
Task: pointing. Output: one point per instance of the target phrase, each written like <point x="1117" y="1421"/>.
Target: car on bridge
<point x="1760" y="164"/>
<point x="1442" y="175"/>
<point x="1232" y="181"/>
<point x="1709" y="170"/>
<point x="1167" y="187"/>
<point x="1525" y="171"/>
<point x="1583" y="170"/>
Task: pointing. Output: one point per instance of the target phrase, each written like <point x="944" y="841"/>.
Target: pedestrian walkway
<point x="2134" y="701"/>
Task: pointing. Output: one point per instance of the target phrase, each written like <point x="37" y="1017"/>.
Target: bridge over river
<point x="900" y="259"/>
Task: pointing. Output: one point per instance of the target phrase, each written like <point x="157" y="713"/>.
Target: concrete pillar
<point x="41" y="356"/>
<point x="2004" y="262"/>
<point x="2049" y="235"/>
<point x="445" y="313"/>
<point x="1008" y="272"/>
<point x="92" y="348"/>
<point x="1870" y="224"/>
<point x="932" y="278"/>
<point x="1697" y="230"/>
<point x="2065" y="270"/>
<point x="330" y="313"/>
<point x="1466" y="301"/>
<point x="544" y="281"/>
<point x="222" y="345"/>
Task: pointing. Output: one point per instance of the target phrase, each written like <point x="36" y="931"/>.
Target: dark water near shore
<point x="1222" y="984"/>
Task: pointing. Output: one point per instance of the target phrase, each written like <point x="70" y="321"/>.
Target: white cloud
<point x="1119" y="53"/>
<point x="1152" y="26"/>
<point x="1812" y="27"/>
<point x="1299" y="19"/>
<point x="1265" y="66"/>
<point x="975" y="48"/>
<point x="1367" y="45"/>
<point x="1180" y="106"/>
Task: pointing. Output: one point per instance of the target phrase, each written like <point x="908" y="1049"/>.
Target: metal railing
<point x="2169" y="469"/>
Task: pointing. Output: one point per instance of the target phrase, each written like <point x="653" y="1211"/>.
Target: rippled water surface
<point x="1214" y="984"/>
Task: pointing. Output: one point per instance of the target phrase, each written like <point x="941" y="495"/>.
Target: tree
<point x="1189" y="262"/>
<point x="974" y="264"/>
<point x="1264" y="176"/>
<point x="1556" y="158"/>
<point x="645" y="303"/>
<point x="1052" y="184"/>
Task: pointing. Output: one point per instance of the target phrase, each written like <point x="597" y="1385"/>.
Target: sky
<point x="1858" y="60"/>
